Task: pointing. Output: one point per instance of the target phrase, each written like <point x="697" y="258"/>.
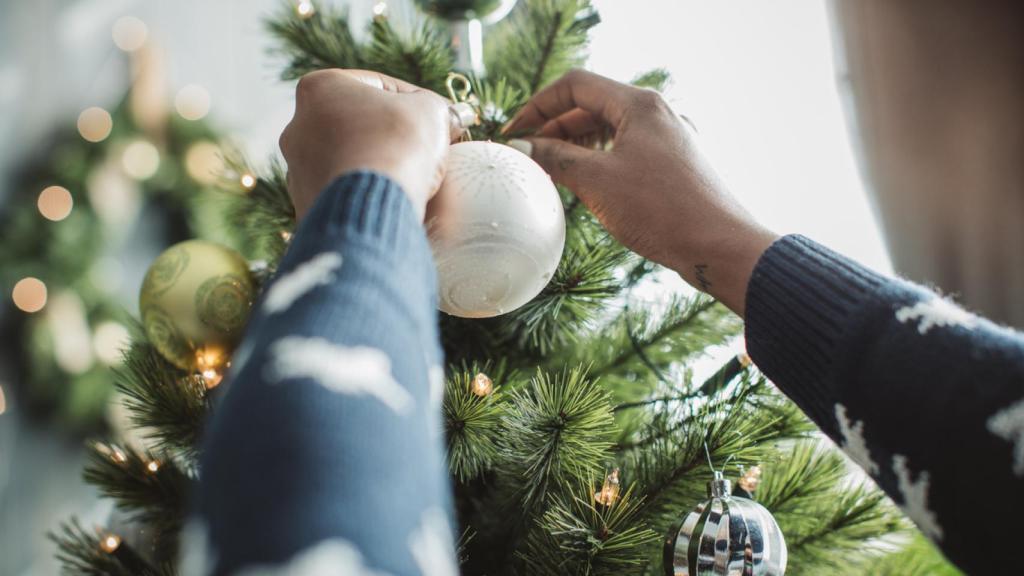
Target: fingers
<point x="379" y="81"/>
<point x="573" y="124"/>
<point x="568" y="164"/>
<point x="602" y="97"/>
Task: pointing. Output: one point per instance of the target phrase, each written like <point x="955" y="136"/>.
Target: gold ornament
<point x="482" y="385"/>
<point x="609" y="492"/>
<point x="196" y="297"/>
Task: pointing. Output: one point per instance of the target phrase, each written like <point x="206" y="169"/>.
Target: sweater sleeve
<point x="324" y="453"/>
<point x="926" y="397"/>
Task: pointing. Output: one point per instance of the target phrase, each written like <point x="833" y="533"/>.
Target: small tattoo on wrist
<point x="702" y="278"/>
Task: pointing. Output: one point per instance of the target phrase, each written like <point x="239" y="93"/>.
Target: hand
<point x="653" y="190"/>
<point x="354" y="119"/>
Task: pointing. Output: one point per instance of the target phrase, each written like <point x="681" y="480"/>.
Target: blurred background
<point x="774" y="89"/>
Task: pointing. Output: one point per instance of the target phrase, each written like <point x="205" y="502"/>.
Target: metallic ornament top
<point x="726" y="536"/>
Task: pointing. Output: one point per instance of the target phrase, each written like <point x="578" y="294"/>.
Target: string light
<point x="305" y="9"/>
<point x="609" y="491"/>
<point x="751" y="479"/>
<point x="153" y="466"/>
<point x="95" y="124"/>
<point x="204" y="162"/>
<point x="210" y="363"/>
<point x="192" y="102"/>
<point x="129" y="33"/>
<point x="3" y="400"/>
<point x="248" y="181"/>
<point x="110" y="543"/>
<point x="286" y="236"/>
<point x="115" y="454"/>
<point x="29" y="294"/>
<point x="482" y="385"/>
<point x="380" y="10"/>
<point x="55" y="203"/>
<point x="140" y="160"/>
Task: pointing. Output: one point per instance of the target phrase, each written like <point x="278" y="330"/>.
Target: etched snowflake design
<point x="936" y="312"/>
<point x="1009" y="425"/>
<point x="853" y="441"/>
<point x="915" y="497"/>
<point x="487" y="168"/>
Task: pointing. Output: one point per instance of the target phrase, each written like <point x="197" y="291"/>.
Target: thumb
<point x="567" y="163"/>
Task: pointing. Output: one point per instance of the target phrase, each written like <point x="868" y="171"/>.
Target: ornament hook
<point x="462" y="108"/>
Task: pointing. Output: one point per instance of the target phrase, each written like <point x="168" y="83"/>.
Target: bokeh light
<point x="109" y="340"/>
<point x="248" y="181"/>
<point x="204" y="162"/>
<point x="140" y="159"/>
<point x="55" y="203"/>
<point x="129" y="33"/>
<point x="29" y="294"/>
<point x="95" y="124"/>
<point x="192" y="102"/>
<point x="305" y="9"/>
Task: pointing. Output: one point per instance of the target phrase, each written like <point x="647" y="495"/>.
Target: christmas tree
<point x="75" y="204"/>
<point x="581" y="428"/>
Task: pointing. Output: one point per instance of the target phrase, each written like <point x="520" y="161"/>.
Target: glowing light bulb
<point x="95" y="124"/>
<point x="55" y="203"/>
<point x="192" y="102"/>
<point x="609" y="491"/>
<point x="380" y="9"/>
<point x="248" y="181"/>
<point x="751" y="479"/>
<point x="29" y="294"/>
<point x="153" y="466"/>
<point x="110" y="543"/>
<point x="305" y="9"/>
<point x="482" y="385"/>
<point x="210" y="363"/>
<point x="129" y="33"/>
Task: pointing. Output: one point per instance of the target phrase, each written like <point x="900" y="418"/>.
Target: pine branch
<point x="577" y="536"/>
<point x="168" y="403"/>
<point x="79" y="552"/>
<point x="657" y="79"/>
<point x="829" y="526"/>
<point x="263" y="218"/>
<point x="472" y="426"/>
<point x="918" y="558"/>
<point x="424" y="59"/>
<point x="540" y="42"/>
<point x="323" y="40"/>
<point x="152" y="487"/>
<point x="558" y="431"/>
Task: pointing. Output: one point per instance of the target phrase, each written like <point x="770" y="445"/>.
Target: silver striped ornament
<point x="726" y="535"/>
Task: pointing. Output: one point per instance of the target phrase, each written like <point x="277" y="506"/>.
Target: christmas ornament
<point x="467" y="9"/>
<point x="196" y="298"/>
<point x="726" y="536"/>
<point x="466" y="21"/>
<point x="498" y="233"/>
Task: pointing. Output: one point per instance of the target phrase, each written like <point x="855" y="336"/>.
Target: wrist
<point x="721" y="264"/>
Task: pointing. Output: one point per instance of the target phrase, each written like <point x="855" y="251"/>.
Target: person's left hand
<point x="356" y="119"/>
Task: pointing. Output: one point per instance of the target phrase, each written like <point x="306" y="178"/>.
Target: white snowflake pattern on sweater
<point x="853" y="441"/>
<point x="327" y="558"/>
<point x="317" y="271"/>
<point x="915" y="497"/>
<point x="358" y="370"/>
<point x="1009" y="425"/>
<point x="937" y="311"/>
<point x="432" y="546"/>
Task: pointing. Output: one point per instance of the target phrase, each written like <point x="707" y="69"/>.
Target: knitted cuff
<point x="801" y="300"/>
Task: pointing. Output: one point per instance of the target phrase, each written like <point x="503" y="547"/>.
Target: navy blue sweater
<point x="335" y="400"/>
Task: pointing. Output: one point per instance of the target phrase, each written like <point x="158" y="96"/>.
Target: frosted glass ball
<point x="498" y="233"/>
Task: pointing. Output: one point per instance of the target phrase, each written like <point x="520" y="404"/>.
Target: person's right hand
<point x="653" y="190"/>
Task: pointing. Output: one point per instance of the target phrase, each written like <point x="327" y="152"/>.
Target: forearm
<point x="924" y="396"/>
<point x="329" y="429"/>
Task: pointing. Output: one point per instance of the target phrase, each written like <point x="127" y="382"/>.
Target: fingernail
<point x="524" y="146"/>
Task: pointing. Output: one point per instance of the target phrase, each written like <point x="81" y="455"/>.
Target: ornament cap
<point x="719" y="486"/>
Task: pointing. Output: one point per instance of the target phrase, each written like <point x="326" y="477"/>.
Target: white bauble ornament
<point x="499" y="231"/>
